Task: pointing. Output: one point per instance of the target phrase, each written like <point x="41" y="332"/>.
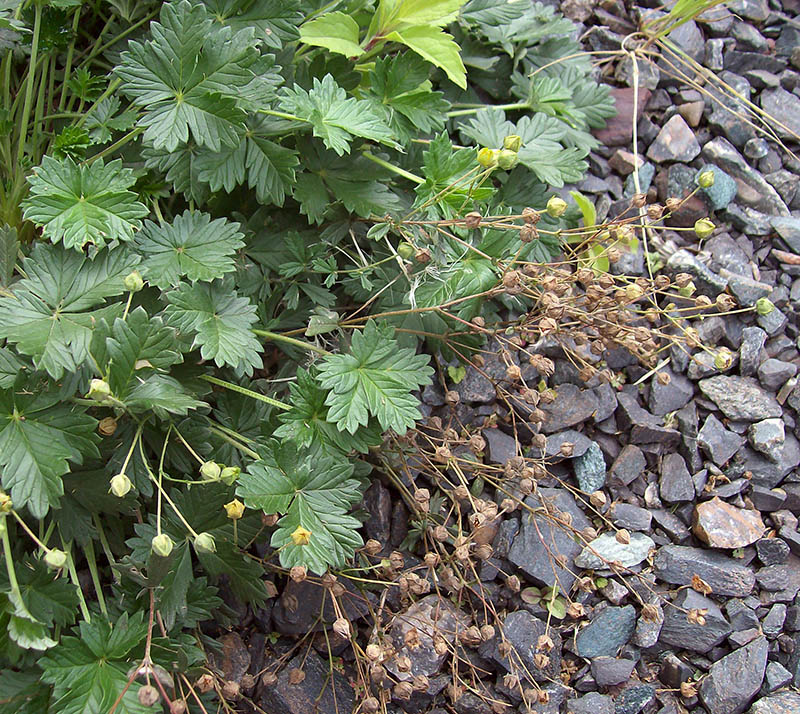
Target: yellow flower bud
<point x="764" y="306"/>
<point x="301" y="536"/>
<point x="723" y="359"/>
<point x="487" y="158"/>
<point x="120" y="485"/>
<point x="405" y="250"/>
<point x="556" y="206"/>
<point x="512" y="142"/>
<point x="99" y="390"/>
<point x="162" y="545"/>
<point x="204" y="543"/>
<point x="230" y="474"/>
<point x="703" y="228"/>
<point x="705" y="179"/>
<point x="234" y="510"/>
<point x="507" y="159"/>
<point x="210" y="471"/>
<point x="55" y="559"/>
<point x="6" y="503"/>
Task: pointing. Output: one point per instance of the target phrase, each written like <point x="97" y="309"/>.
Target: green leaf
<point x="9" y="247"/>
<point x="180" y="168"/>
<point x="190" y="78"/>
<point x="89" y="672"/>
<point x="436" y="46"/>
<point x="405" y="13"/>
<point x="38" y="438"/>
<point x="315" y="491"/>
<point x="219" y="323"/>
<point x="23" y="693"/>
<point x="276" y="20"/>
<point x="29" y="635"/>
<point x="376" y="378"/>
<point x="174" y="587"/>
<point x="192" y="246"/>
<point x="587" y="208"/>
<point x="10" y="368"/>
<point x="163" y="395"/>
<point x="267" y="166"/>
<point x="307" y="421"/>
<point x="136" y="346"/>
<point x="80" y="204"/>
<point x="103" y="120"/>
<point x="244" y="575"/>
<point x="335" y="31"/>
<point x="334" y="117"/>
<point x="51" y="600"/>
<point x="493" y="13"/>
<point x="49" y="317"/>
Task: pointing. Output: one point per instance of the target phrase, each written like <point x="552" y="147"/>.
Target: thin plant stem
<point x="29" y="81"/>
<point x="246" y="392"/>
<point x="73" y="575"/>
<point x="276" y="337"/>
<point x="88" y="551"/>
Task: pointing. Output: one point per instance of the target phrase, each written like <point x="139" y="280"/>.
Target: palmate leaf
<point x="180" y="168"/>
<point x="315" y="491"/>
<point x="335" y="118"/>
<point x="88" y="672"/>
<point x="276" y="20"/>
<point x="39" y="436"/>
<point x="267" y="166"/>
<point x="49" y="599"/>
<point x="436" y="46"/>
<point x="336" y="31"/>
<point x="376" y="378"/>
<point x="80" y="204"/>
<point x="49" y="316"/>
<point x="23" y="693"/>
<point x="9" y="246"/>
<point x="306" y="422"/>
<point x="189" y="78"/>
<point x="192" y="246"/>
<point x="218" y="321"/>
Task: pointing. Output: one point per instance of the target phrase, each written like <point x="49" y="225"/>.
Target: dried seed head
<point x="598" y="499"/>
<point x="204" y="683"/>
<point x="614" y="255"/>
<point x="638" y="200"/>
<point x="420" y="683"/>
<point x="513" y="373"/>
<point x="663" y="378"/>
<point x="403" y="662"/>
<point x="688" y="689"/>
<point x="373" y="652"/>
<point x="431" y="559"/>
<point x="231" y="689"/>
<point x="484" y="551"/>
<point x="575" y="610"/>
<point x="655" y="211"/>
<point x="440" y="533"/>
<point x="397" y="560"/>
<point x="509" y="505"/>
<point x="372" y="547"/>
<point x="422" y="495"/>
<point x="423" y="255"/>
<point x="512" y="583"/>
<point x="370" y="705"/>
<point x="541" y="660"/>
<point x="342" y="628"/>
<point x="672" y="204"/>
<point x="452" y="397"/>
<point x="377" y="674"/>
<point x="440" y="645"/>
<point x="725" y="302"/>
<point x="623" y="536"/>
<point x="471" y="637"/>
<point x="472" y="219"/>
<point x="651" y="613"/>
<point x="530" y="216"/>
<point x="269" y="679"/>
<point x="461" y="493"/>
<point x="528" y="233"/>
<point x="296" y="675"/>
<point x="443" y="454"/>
<point x="298" y="573"/>
<point x="107" y="426"/>
<point x="148" y="695"/>
<point x="567" y="449"/>
<point x="177" y="707"/>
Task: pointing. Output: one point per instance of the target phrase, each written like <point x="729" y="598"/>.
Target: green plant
<point x="201" y="204"/>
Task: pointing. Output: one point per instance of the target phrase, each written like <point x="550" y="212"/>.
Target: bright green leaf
<point x="436" y="46"/>
<point x="335" y="31"/>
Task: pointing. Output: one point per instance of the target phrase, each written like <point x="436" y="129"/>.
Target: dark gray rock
<point x="673" y="526"/>
<point x="734" y="680"/>
<point x="768" y="436"/>
<point x="746" y="290"/>
<point x="677" y="564"/>
<point x="707" y="281"/>
<point x="757" y="10"/>
<point x="751" y="351"/>
<point x="724" y="116"/>
<point x="608" y="671"/>
<point x="772" y="624"/>
<point x="378" y="504"/>
<point x="788" y="228"/>
<point x="540" y="539"/>
<point x="740" y="398"/>
<point x="502" y="446"/>
<point x="633" y="699"/>
<point x="591" y="703"/>
<point x="666" y="398"/>
<point x="761" y="196"/>
<point x="676" y="482"/>
<point x="571" y="406"/>
<point x="722" y="192"/>
<point x="772" y="577"/>
<point x="678" y="631"/>
<point x="748" y="220"/>
<point x="322" y="690"/>
<point x="748" y="38"/>
<point x="772" y="551"/>
<point x="580" y="444"/>
<point x="627" y="466"/>
<point x="773" y="373"/>
<point x="784" y="107"/>
<point x="306" y="607"/>
<point x="776" y="677"/>
<point x="675" y="142"/>
<point x="773" y="322"/>
<point x="764" y="471"/>
<point x="779" y="703"/>
<point x="785" y="183"/>
<point x="590" y="469"/>
<point x="674" y="671"/>
<point x="643" y="427"/>
<point x="522" y="630"/>
<point x="606" y="633"/>
<point x="630" y="517"/>
<point x="718" y="442"/>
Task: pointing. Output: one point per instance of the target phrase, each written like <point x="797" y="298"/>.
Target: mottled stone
<point x="571" y="406"/>
<point x="643" y="427"/>
<point x="675" y="142"/>
<point x="591" y="703"/>
<point x="679" y="631"/>
<point x="633" y="518"/>
<point x="722" y="192"/>
<point x="628" y="465"/>
<point x="676" y="482"/>
<point x="773" y="373"/>
<point x="633" y="699"/>
<point x="670" y="397"/>
<point x="717" y="441"/>
<point x="606" y="633"/>
<point x="734" y="680"/>
<point x="779" y="703"/>
<point x="740" y="398"/>
<point x="608" y="671"/>
<point x="785" y="108"/>
<point x="768" y="437"/>
<point x="590" y="469"/>
<point x="618" y="130"/>
<point x="677" y="565"/>
<point x="523" y="630"/>
<point x="722" y="525"/>
<point x="580" y="444"/>
<point x="751" y="350"/>
<point x="605" y="549"/>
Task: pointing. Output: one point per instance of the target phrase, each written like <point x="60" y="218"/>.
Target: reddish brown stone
<point x="619" y="129"/>
<point x="722" y="525"/>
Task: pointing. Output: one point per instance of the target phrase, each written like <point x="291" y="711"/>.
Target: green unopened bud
<point x="688" y="289"/>
<point x="162" y="545"/>
<point x="210" y="471"/>
<point x="6" y="503"/>
<point x="487" y="158"/>
<point x="556" y="206"/>
<point x="764" y="306"/>
<point x="99" y="390"/>
<point x="55" y="559"/>
<point x="703" y="228"/>
<point x="234" y="510"/>
<point x="512" y="142"/>
<point x="723" y="359"/>
<point x="507" y="159"/>
<point x="133" y="282"/>
<point x="230" y="474"/>
<point x="405" y="250"/>
<point x="120" y="485"/>
<point x="705" y="179"/>
<point x="204" y="543"/>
